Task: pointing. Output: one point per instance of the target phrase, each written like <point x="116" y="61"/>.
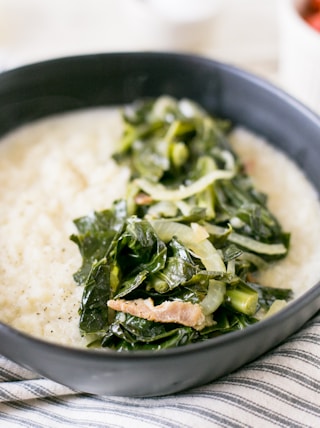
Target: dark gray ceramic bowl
<point x="71" y="83"/>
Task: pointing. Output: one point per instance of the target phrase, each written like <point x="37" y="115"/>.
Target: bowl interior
<point x="66" y="84"/>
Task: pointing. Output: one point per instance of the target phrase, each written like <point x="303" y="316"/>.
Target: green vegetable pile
<point x="192" y="229"/>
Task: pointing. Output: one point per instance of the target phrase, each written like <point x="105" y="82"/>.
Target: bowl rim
<point x="247" y="75"/>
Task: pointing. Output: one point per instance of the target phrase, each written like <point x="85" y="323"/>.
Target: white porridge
<point x="60" y="168"/>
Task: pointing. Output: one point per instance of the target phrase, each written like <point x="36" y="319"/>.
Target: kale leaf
<point x="192" y="229"/>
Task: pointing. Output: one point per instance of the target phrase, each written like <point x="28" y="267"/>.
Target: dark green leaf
<point x="94" y="310"/>
<point x="140" y="248"/>
<point x="267" y="295"/>
<point x="132" y="333"/>
<point x="179" y="268"/>
<point x="96" y="234"/>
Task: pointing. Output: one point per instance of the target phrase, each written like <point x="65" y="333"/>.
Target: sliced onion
<point x="214" y="298"/>
<point x="158" y="192"/>
<point x="249" y="243"/>
<point x="202" y="249"/>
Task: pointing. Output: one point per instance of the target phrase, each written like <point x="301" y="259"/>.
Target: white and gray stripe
<point x="281" y="389"/>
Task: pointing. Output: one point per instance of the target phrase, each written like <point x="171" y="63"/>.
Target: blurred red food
<point x="312" y="14"/>
<point x="315" y="4"/>
<point x="314" y="20"/>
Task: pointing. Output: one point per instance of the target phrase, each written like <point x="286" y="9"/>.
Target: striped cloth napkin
<point x="280" y="389"/>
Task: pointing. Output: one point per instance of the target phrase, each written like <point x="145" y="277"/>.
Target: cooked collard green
<point x="192" y="232"/>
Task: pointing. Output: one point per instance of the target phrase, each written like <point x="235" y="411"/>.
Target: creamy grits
<point x="60" y="168"/>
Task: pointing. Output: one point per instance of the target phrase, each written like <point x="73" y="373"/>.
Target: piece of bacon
<point x="143" y="199"/>
<point x="185" y="313"/>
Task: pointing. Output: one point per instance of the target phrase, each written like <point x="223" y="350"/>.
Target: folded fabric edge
<point x="32" y="389"/>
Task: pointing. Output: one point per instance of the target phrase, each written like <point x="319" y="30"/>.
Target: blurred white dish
<point x="172" y="25"/>
<point x="185" y="10"/>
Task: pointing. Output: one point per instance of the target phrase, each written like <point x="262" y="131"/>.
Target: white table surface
<point x="244" y="32"/>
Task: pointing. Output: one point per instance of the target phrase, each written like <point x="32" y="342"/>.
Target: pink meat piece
<point x="185" y="313"/>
